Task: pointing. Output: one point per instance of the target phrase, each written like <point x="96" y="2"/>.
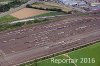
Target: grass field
<point x="7" y="19"/>
<point x="92" y="51"/>
<point x="48" y="62"/>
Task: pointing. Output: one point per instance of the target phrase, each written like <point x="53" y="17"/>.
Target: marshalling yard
<point x="66" y="33"/>
<point x="29" y="43"/>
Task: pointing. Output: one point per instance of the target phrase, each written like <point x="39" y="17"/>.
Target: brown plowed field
<point x="27" y="12"/>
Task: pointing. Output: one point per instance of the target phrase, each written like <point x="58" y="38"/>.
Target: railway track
<point x="30" y="43"/>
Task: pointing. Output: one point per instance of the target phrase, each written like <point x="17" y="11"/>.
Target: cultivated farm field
<point x="27" y="12"/>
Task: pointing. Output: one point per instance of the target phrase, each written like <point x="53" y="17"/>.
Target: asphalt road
<point x="22" y="45"/>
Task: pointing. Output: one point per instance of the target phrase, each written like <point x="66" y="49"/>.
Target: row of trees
<point x="4" y="8"/>
<point x="13" y="4"/>
<point x="7" y="26"/>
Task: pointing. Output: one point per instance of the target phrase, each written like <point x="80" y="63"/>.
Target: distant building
<point x="95" y="9"/>
<point x="92" y="1"/>
<point x="74" y="2"/>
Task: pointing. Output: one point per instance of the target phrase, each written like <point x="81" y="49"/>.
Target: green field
<point x="92" y="52"/>
<point x="6" y="19"/>
<point x="48" y="62"/>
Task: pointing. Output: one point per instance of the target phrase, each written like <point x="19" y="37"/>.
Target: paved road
<point x="22" y="45"/>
